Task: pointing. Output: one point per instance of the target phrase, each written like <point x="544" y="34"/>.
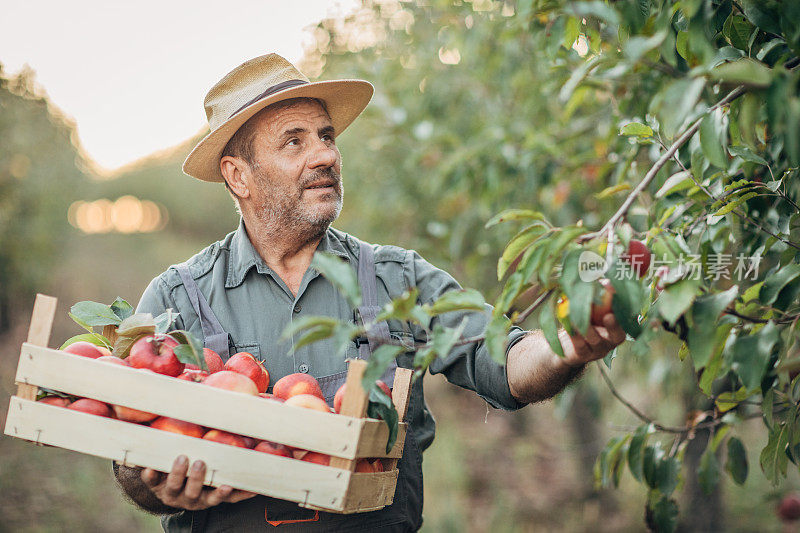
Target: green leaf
<point x="549" y="325"/>
<point x="514" y="214"/>
<point x="715" y="364"/>
<point x="122" y="308"/>
<point x="308" y="322"/>
<point x="93" y="314"/>
<point x="719" y="436"/>
<point x="675" y="299"/>
<point x="751" y="354"/>
<point x="378" y="362"/>
<point x="459" y="300"/>
<point x="727" y="208"/>
<point x="727" y="400"/>
<point x="773" y="457"/>
<point x="594" y="9"/>
<point x="708" y="472"/>
<point x="676" y="101"/>
<point x="381" y="407"/>
<point x="609" y="462"/>
<point x="165" y="320"/>
<point x="667" y="475"/>
<point x="136" y="325"/>
<point x="513" y="288"/>
<point x="651" y="458"/>
<point x="665" y="515"/>
<point x="497" y="337"/>
<point x="555" y="246"/>
<point x="611" y="191"/>
<point x="636" y="47"/>
<point x="736" y="465"/>
<point x="776" y="281"/>
<point x="636" y="450"/>
<point x="517" y="245"/>
<point x="340" y="274"/>
<point x="94" y="338"/>
<point x="744" y="71"/>
<point x="190" y="349"/>
<point x="737" y="30"/>
<point x="636" y="129"/>
<point x="713" y="139"/>
<point x="627" y="301"/>
<point x="678" y="181"/>
<point x="705" y="311"/>
<point x="401" y="308"/>
<point x="123" y="344"/>
<point x="747" y="154"/>
<point x="579" y="292"/>
<point x="441" y="343"/>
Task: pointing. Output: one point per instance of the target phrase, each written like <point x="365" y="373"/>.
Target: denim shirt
<point x="254" y="305"/>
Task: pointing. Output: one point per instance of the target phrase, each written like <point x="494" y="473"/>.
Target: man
<point x="272" y="143"/>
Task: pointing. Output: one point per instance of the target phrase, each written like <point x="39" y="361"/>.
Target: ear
<point x="235" y="171"/>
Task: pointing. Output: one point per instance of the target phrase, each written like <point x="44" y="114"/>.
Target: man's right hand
<point x="182" y="491"/>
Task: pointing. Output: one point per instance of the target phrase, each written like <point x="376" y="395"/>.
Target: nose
<point x="323" y="155"/>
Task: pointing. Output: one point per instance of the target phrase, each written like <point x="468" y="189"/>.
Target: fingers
<point x="176" y="477"/>
<point x="194" y="483"/>
<point x="615" y="332"/>
<point x="239" y="495"/>
<point x="217" y="496"/>
<point x="151" y="477"/>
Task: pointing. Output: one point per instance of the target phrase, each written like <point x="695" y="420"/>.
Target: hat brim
<point x="345" y="100"/>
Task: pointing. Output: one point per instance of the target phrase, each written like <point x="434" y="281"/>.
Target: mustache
<point x="327" y="173"/>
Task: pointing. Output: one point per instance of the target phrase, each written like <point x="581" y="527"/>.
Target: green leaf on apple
<point x="137" y="324"/>
<point x="88" y="314"/>
<point x="94" y="338"/>
<point x="165" y="320"/>
<point x="190" y="349"/>
<point x="122" y="308"/>
<point x="122" y="347"/>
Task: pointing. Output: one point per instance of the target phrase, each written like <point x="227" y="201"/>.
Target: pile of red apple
<point x="242" y="373"/>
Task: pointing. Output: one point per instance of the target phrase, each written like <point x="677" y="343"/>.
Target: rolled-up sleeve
<point x="469" y="366"/>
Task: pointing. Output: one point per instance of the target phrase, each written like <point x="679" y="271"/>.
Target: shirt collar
<point x="243" y="255"/>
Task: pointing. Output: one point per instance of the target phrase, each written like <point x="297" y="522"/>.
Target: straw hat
<point x="254" y="85"/>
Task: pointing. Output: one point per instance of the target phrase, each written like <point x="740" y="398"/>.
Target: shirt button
<point x="303" y="368"/>
<point x="297" y="308"/>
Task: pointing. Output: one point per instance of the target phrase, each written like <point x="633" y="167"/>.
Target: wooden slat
<point x="401" y="396"/>
<point x="374" y="434"/>
<point x="367" y="488"/>
<point x="44" y="311"/>
<point x="133" y="444"/>
<point x="354" y="404"/>
<point x="331" y="434"/>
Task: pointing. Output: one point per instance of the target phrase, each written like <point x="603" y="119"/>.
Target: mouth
<point x="323" y="184"/>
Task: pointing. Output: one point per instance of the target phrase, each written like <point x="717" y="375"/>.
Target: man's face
<point x="296" y="183"/>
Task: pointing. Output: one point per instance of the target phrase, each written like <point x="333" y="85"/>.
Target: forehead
<point x="303" y="113"/>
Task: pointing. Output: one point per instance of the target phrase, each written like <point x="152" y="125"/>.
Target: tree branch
<point x="658" y="165"/>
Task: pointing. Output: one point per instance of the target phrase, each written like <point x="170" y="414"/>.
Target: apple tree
<point x="688" y="115"/>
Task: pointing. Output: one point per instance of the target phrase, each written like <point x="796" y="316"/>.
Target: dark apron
<point x="261" y="512"/>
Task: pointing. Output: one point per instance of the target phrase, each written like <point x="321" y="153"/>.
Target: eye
<point x="293" y="142"/>
<point x="327" y="137"/>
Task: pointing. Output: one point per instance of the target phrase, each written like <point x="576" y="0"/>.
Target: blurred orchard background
<point x="473" y="113"/>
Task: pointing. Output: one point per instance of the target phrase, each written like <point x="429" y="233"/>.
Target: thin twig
<point x="665" y="157"/>
<point x="535" y="305"/>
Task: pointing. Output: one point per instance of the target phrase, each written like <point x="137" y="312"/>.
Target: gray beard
<point x="284" y="217"/>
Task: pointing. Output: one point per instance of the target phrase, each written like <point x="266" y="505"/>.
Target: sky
<point x="133" y="75"/>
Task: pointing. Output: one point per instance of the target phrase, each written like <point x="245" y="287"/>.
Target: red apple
<point x="603" y="308"/>
<point x="198" y="376"/>
<point x="181" y="427"/>
<point x="232" y="381"/>
<point x="250" y="442"/>
<point x="156" y="353"/>
<point x="377" y="464"/>
<point x="90" y="406"/>
<point x="309" y="401"/>
<point x="55" y="400"/>
<point x="789" y="508"/>
<point x="339" y="397"/>
<point x="213" y="362"/>
<point x="246" y="364"/>
<point x="273" y="448"/>
<point x="639" y="256"/>
<point x="318" y="458"/>
<point x="295" y="384"/>
<point x="87" y="349"/>
<point x="364" y="465"/>
<point x="223" y="437"/>
<point x="269" y="396"/>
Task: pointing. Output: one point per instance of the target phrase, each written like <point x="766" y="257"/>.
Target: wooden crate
<point x="346" y="437"/>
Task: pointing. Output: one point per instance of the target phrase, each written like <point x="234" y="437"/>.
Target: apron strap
<point x="369" y="309"/>
<point x="214" y="336"/>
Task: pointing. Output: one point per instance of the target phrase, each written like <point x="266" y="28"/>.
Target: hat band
<point x="270" y="91"/>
